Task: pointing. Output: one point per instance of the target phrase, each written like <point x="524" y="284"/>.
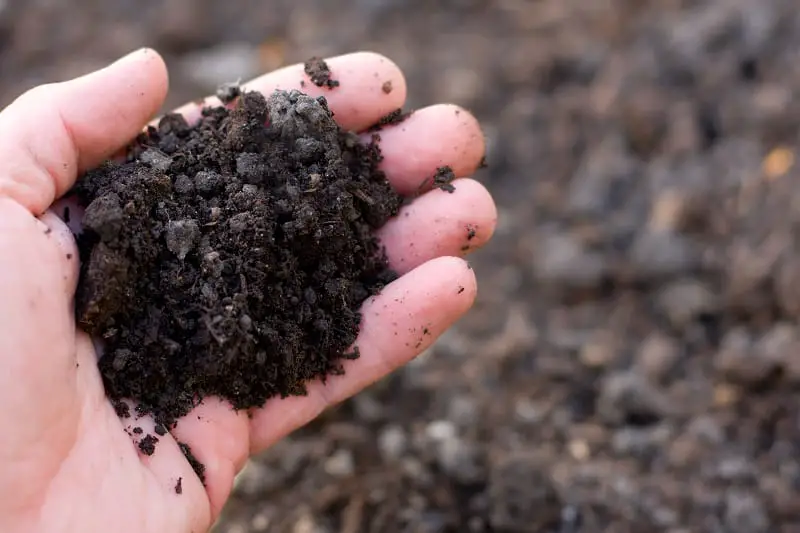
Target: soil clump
<point x="231" y="258"/>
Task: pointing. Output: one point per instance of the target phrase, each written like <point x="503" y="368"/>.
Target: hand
<point x="66" y="462"/>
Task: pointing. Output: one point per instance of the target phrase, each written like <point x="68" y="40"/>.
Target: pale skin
<point x="66" y="463"/>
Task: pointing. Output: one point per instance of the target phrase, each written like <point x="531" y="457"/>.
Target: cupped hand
<point x="67" y="462"/>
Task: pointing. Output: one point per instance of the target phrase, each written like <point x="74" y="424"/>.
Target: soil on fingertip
<point x="320" y="73"/>
<point x="390" y="119"/>
<point x="231" y="258"/>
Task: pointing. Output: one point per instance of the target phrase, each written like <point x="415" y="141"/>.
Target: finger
<point x="440" y="224"/>
<point x="53" y="132"/>
<point x="398" y="324"/>
<point x="433" y="137"/>
<point x="358" y="102"/>
<point x="219" y="439"/>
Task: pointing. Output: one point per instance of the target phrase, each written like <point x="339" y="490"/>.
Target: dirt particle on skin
<point x="465" y="248"/>
<point x="395" y="117"/>
<point x="484" y="163"/>
<point x="320" y="73"/>
<point x="443" y="179"/>
<point x="179" y="486"/>
<point x="160" y="430"/>
<point x="197" y="466"/>
<point x="138" y="431"/>
<point x="461" y="290"/>
<point x="471" y="232"/>
<point x="254" y="247"/>
<point x="148" y="444"/>
<point x="48" y="231"/>
<point x="69" y="257"/>
<point x="387" y="87"/>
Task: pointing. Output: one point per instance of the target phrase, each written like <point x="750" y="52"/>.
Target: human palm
<point x="68" y="463"/>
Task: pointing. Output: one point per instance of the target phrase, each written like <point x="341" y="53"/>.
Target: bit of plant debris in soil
<point x="320" y="73"/>
<point x="231" y="258"/>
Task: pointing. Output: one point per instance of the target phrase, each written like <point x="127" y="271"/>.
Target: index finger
<point x="370" y="87"/>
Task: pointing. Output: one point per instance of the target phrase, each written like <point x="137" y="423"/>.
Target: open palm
<point x="67" y="463"/>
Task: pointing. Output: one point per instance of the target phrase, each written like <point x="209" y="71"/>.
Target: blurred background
<point x="632" y="363"/>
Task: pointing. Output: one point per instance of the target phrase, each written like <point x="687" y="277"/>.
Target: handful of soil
<point x="230" y="258"/>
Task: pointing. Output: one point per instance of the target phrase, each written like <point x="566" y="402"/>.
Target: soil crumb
<point x="148" y="444"/>
<point x="395" y="117"/>
<point x="444" y="178"/>
<point x="387" y="87"/>
<point x="231" y="258"/>
<point x="320" y="73"/>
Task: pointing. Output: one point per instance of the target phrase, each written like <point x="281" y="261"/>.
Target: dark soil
<point x="198" y="467"/>
<point x="444" y="178"/>
<point x="320" y="73"/>
<point x="395" y="117"/>
<point x="231" y="258"/>
<point x="630" y="364"/>
<point x="148" y="444"/>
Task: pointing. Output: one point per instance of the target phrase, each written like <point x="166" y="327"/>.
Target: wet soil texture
<point x="231" y="258"/>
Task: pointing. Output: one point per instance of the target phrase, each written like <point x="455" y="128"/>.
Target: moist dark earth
<point x="231" y="258"/>
<point x="631" y="363"/>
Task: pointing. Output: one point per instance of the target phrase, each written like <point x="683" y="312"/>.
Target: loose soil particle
<point x="231" y="258"/>
<point x="443" y="179"/>
<point x="148" y="444"/>
<point x="320" y="73"/>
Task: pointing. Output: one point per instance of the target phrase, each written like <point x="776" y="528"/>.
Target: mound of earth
<point x="231" y="257"/>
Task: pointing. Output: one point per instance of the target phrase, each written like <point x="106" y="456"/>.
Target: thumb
<point x="48" y="136"/>
<point x="53" y="132"/>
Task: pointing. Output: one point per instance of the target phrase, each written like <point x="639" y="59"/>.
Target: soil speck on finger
<point x="444" y="178"/>
<point x="320" y="73"/>
<point x="395" y="117"/>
